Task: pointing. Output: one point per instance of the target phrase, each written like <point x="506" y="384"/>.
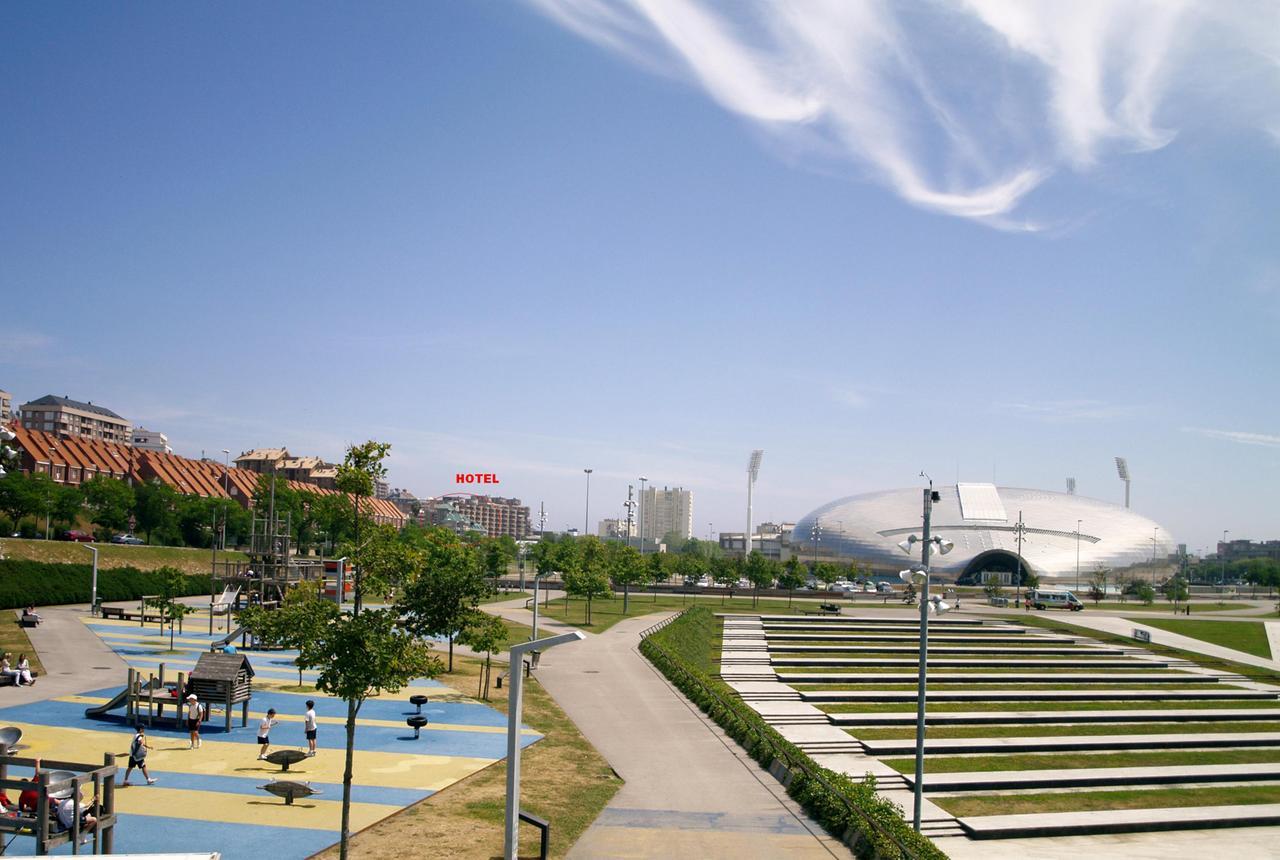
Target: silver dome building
<point x="982" y="521"/>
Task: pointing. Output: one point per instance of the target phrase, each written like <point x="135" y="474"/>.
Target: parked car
<point x="76" y="535"/>
<point x="127" y="539"/>
<point x="869" y="587"/>
<point x="884" y="588"/>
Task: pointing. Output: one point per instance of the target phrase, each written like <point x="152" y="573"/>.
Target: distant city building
<point x="264" y="461"/>
<point x="615" y="529"/>
<point x="278" y="461"/>
<point x="1239" y="550"/>
<point x="6" y="405"/>
<point x="151" y="440"/>
<point x="497" y="516"/>
<point x="770" y="543"/>
<point x="666" y="510"/>
<point x="405" y="501"/>
<point x="381" y="489"/>
<point x="63" y="416"/>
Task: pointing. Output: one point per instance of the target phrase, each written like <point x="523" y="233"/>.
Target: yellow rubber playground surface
<point x="208" y="799"/>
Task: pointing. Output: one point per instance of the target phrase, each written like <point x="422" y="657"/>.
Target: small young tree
<point x="792" y="577"/>
<point x="446" y="584"/>
<point x="992" y="589"/>
<point x="1176" y="591"/>
<point x="172" y="586"/>
<point x="1144" y="592"/>
<point x="1098" y="584"/>
<point x="760" y="574"/>
<point x="628" y="568"/>
<point x="589" y="579"/>
<point x="360" y="656"/>
<point x="361" y="468"/>
<point x="826" y="573"/>
<point x="724" y="573"/>
<point x="484" y="633"/>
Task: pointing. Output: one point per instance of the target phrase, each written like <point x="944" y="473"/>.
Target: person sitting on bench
<point x="24" y="671"/>
<point x="30" y="613"/>
<point x="7" y="670"/>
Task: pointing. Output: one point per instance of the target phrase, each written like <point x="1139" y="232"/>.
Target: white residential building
<point x="666" y="510"/>
<point x="151" y="440"/>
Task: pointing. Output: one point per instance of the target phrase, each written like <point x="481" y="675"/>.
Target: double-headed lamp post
<point x="920" y="576"/>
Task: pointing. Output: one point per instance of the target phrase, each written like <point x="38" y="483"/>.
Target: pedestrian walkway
<point x="690" y="790"/>
<point x="1126" y="626"/>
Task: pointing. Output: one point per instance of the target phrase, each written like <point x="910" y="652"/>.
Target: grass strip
<point x="1087" y="705"/>
<point x="1078" y="760"/>
<point x="1247" y="636"/>
<point x="14" y="640"/>
<point x="935" y="687"/>
<point x="1016" y="730"/>
<point x="970" y="806"/>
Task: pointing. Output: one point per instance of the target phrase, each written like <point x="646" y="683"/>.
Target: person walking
<point x="138" y="755"/>
<point x="195" y="711"/>
<point x="264" y="732"/>
<point x="309" y="724"/>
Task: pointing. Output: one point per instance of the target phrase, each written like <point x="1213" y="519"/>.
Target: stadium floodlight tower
<point x="753" y="472"/>
<point x="1122" y="467"/>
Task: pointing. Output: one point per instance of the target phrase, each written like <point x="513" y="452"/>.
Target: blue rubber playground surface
<point x="208" y="799"/>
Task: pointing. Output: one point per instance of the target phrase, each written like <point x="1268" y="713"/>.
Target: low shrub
<point x="841" y="804"/>
<point x="26" y="582"/>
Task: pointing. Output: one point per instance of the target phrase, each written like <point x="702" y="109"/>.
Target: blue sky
<point x="647" y="238"/>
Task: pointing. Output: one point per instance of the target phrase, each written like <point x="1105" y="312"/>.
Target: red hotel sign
<point x="476" y="478"/>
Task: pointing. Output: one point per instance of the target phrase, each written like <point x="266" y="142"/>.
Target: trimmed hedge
<point x="873" y="826"/>
<point x="44" y="584"/>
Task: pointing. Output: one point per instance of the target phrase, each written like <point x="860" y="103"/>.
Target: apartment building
<point x="151" y="440"/>
<point x="666" y="510"/>
<point x="65" y="417"/>
<point x="496" y="515"/>
<point x="6" y="405"/>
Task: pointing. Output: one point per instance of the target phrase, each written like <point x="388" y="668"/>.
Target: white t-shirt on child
<point x="264" y="727"/>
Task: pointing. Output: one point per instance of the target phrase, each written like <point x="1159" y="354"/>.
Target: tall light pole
<point x="226" y="491"/>
<point x="1020" y="532"/>
<point x="586" y="520"/>
<point x="753" y="472"/>
<point x="1078" y="522"/>
<point x="93" y="592"/>
<point x="926" y="606"/>
<point x="642" y="479"/>
<point x="1222" y="556"/>
<point x="514" y="703"/>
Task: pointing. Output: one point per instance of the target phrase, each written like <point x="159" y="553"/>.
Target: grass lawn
<point x="943" y="671"/>
<point x="562" y="779"/>
<point x="945" y="707"/>
<point x="113" y="555"/>
<point x="1166" y="606"/>
<point x="13" y="640"/>
<point x="506" y="595"/>
<point x="1013" y="804"/>
<point x="1023" y="730"/>
<point x="606" y="612"/>
<point x="1075" y="761"/>
<point x="1253" y="673"/>
<point x="936" y="687"/>
<point x="1247" y="636"/>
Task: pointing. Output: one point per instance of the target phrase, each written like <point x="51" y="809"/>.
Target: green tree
<point x="361" y="468"/>
<point x="589" y="578"/>
<point x="1175" y="590"/>
<point x="628" y="568"/>
<point x="445" y="583"/>
<point x="760" y="573"/>
<point x="1098" y="584"/>
<point x="826" y="573"/>
<point x="172" y="586"/>
<point x="497" y="554"/>
<point x="724" y="573"/>
<point x="1030" y="579"/>
<point x="358" y="657"/>
<point x="484" y="633"/>
<point x="1144" y="592"/>
<point x="992" y="589"/>
<point x="18" y="497"/>
<point x="109" y="502"/>
<point x="793" y="576"/>
<point x="154" y="506"/>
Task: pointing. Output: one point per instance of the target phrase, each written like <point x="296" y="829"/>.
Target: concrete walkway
<point x="690" y="790"/>
<point x="74" y="658"/>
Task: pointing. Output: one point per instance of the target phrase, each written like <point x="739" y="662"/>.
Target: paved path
<point x="74" y="658"/>
<point x="690" y="791"/>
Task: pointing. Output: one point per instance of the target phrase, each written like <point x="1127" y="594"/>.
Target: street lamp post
<point x="511" y="830"/>
<point x="1222" y="556"/>
<point x="642" y="479"/>
<point x="48" y="499"/>
<point x="93" y="588"/>
<point x="936" y="605"/>
<point x="1020" y="531"/>
<point x="586" y="520"/>
<point x="226" y="491"/>
<point x="1078" y="522"/>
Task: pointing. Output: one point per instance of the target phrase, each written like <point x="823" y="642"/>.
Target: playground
<point x="212" y="798"/>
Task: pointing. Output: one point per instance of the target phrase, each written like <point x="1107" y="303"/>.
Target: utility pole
<point x="926" y="542"/>
<point x="1019" y="530"/>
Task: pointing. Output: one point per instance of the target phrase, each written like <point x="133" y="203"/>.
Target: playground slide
<point x="229" y="638"/>
<point x="117" y="701"/>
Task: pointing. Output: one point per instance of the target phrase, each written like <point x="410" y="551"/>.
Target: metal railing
<point x="777" y="744"/>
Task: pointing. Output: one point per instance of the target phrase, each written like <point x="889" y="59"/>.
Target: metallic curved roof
<point x="982" y="519"/>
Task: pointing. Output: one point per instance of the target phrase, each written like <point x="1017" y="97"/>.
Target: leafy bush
<point x="44" y="584"/>
<point x="680" y="651"/>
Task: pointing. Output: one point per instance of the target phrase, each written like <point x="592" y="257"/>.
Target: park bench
<point x="29" y="620"/>
<point x="823" y="609"/>
<point x="504" y="675"/>
<point x="544" y="827"/>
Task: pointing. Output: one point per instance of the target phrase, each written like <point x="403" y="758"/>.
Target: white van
<point x="1053" y="600"/>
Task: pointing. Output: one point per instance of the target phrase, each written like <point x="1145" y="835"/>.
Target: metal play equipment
<point x="284" y="758"/>
<point x="289" y="790"/>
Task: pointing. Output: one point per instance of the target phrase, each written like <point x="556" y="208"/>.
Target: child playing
<point x="138" y="756"/>
<point x="264" y="732"/>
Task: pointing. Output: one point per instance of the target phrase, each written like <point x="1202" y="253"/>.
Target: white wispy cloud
<point x="963" y="107"/>
<point x="18" y="345"/>
<point x="1240" y="437"/>
<point x="1064" y="411"/>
